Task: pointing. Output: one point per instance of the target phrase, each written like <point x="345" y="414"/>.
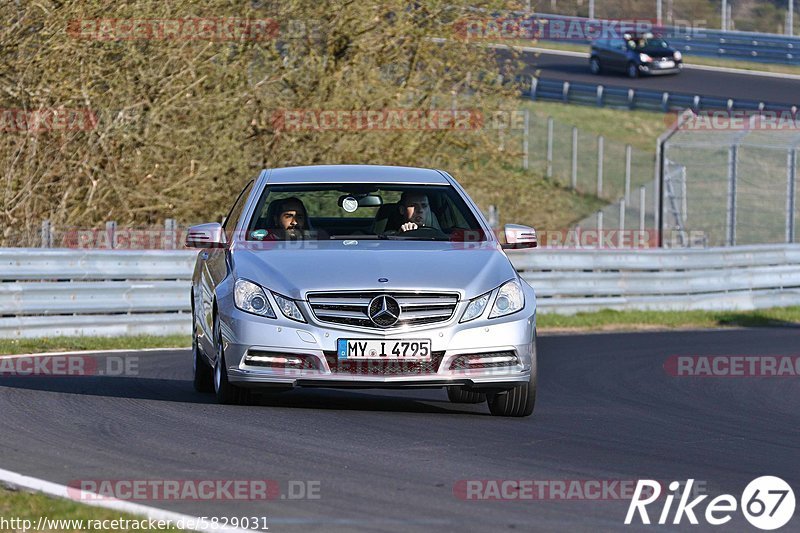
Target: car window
<point x="617" y="43"/>
<point x="229" y="224"/>
<point x="371" y="211"/>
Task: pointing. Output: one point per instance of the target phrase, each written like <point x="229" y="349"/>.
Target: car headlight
<point x="677" y="56"/>
<point x="288" y="308"/>
<point x="251" y="298"/>
<point x="510" y="299"/>
<point x="475" y="307"/>
<point x="645" y="58"/>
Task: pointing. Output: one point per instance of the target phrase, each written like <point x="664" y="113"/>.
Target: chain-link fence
<point x="732" y="181"/>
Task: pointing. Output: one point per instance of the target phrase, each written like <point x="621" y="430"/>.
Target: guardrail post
<point x="111" y="229"/>
<point x="631" y="94"/>
<point x="730" y="232"/>
<point x="534" y="86"/>
<point x="574" y="181"/>
<point x="730" y="104"/>
<point x="599" y="96"/>
<point x="600" y="166"/>
<point x="621" y="222"/>
<point x="696" y="104"/>
<point x="665" y="102"/>
<point x="628" y="152"/>
<point x="47" y="234"/>
<point x="791" y="173"/>
<point x="550" y="147"/>
<point x="642" y="207"/>
<point x="526" y="139"/>
<point x="565" y="92"/>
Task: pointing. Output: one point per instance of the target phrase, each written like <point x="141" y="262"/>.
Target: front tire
<point x="225" y="392"/>
<point x="517" y="402"/>
<point x="633" y="70"/>
<point x="457" y="394"/>
<point x="594" y="66"/>
<point x="203" y="373"/>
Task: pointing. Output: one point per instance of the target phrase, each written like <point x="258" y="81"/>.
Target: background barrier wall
<point x="48" y="293"/>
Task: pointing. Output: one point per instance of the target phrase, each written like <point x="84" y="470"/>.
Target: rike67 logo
<point x="767" y="503"/>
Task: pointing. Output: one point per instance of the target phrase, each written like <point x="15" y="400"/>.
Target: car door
<point x="618" y="58"/>
<point x="214" y="266"/>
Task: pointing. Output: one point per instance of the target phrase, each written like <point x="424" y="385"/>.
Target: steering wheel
<point x="425" y="232"/>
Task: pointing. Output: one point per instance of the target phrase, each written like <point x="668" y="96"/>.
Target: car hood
<point x="293" y="269"/>
<point x="658" y="52"/>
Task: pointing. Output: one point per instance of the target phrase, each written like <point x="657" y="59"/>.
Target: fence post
<point x="621" y="222"/>
<point x="170" y="237"/>
<point x="642" y="207"/>
<point x="574" y="158"/>
<point x="111" y="229"/>
<point x="600" y="229"/>
<point x="731" y="212"/>
<point x="526" y="140"/>
<point x="47" y="234"/>
<point x="550" y="146"/>
<point x="600" y="142"/>
<point x="628" y="152"/>
<point x="791" y="173"/>
<point x="494" y="217"/>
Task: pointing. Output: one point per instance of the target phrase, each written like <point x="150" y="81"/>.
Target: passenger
<point x="291" y="217"/>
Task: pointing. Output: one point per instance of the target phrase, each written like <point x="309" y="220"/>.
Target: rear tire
<point x="458" y="394"/>
<point x="594" y="66"/>
<point x="633" y="70"/>
<point x="226" y="393"/>
<point x="518" y="401"/>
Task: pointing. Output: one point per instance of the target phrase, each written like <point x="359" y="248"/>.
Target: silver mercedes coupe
<point x="360" y="276"/>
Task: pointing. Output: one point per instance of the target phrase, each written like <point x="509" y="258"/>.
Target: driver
<point x="416" y="211"/>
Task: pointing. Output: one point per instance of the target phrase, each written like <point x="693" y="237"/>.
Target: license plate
<point x="405" y="350"/>
<point x="667" y="64"/>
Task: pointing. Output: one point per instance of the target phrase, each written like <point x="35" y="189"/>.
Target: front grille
<point x="384" y="368"/>
<point x="350" y="308"/>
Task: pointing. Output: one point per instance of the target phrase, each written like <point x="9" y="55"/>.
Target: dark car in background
<point x="635" y="55"/>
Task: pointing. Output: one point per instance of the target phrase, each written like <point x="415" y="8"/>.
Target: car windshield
<point x="651" y="44"/>
<point x="363" y="211"/>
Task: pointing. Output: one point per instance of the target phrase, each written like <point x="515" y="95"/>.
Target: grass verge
<point x="608" y="320"/>
<point x="65" y="344"/>
<point x="31" y="506"/>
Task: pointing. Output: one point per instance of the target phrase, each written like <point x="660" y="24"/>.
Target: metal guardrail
<point x="102" y="292"/>
<point x="706" y="42"/>
<point x="49" y="293"/>
<point x="602" y="95"/>
<point x="740" y="278"/>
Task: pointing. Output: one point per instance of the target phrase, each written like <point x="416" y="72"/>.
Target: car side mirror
<point x="206" y="236"/>
<point x="518" y="237"/>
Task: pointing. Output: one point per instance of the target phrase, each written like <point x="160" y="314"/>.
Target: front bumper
<point x="316" y="342"/>
<point x="655" y="70"/>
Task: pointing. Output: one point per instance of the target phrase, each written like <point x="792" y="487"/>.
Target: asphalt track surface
<point x="770" y="89"/>
<point x="389" y="460"/>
